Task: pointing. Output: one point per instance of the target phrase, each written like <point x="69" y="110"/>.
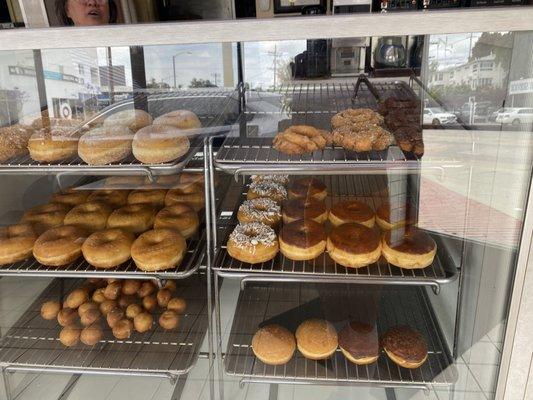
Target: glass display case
<point x="328" y="206"/>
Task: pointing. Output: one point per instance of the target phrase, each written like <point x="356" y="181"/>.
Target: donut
<point x="131" y="286"/>
<point x="351" y="211"/>
<point x="70" y="335"/>
<point x="306" y="209"/>
<point x="59" y="246"/>
<point x="122" y="329"/>
<point x="107" y="305"/>
<point x="108" y="248"/>
<point x="191" y="177"/>
<point x="169" y="320"/>
<point x="113" y="198"/>
<point x="409" y="248"/>
<point x="180" y="217"/>
<point x="67" y="316"/>
<point x="146" y="289"/>
<point x="302" y="240"/>
<point x="112" y="290"/>
<point x="158" y="249"/>
<point x="134" y="218"/>
<point x="356" y="116"/>
<point x="160" y="144"/>
<point x="177" y="304"/>
<point x="123" y="182"/>
<point x="253" y="243"/>
<point x="133" y="310"/>
<point x="143" y="322"/>
<point x="16" y="243"/>
<point x="170" y="285"/>
<point x="88" y="305"/>
<point x="101" y="146"/>
<point x="281" y="179"/>
<point x="132" y="119"/>
<point x="89" y="317"/>
<point x="316" y="339"/>
<point x="273" y="345"/>
<point x="98" y="296"/>
<point x="54" y="144"/>
<point x="91" y="216"/>
<point x="359" y="343"/>
<point x="46" y="216"/>
<point x="308" y="187"/>
<point x="261" y="209"/>
<point x="14" y="141"/>
<point x="269" y="189"/>
<point x="76" y="298"/>
<point x="114" y="315"/>
<point x="50" y="309"/>
<point x="71" y="197"/>
<point x="354" y="245"/>
<point x="181" y="119"/>
<point x="405" y="346"/>
<point x="163" y="297"/>
<point x="149" y="303"/>
<point x="125" y="300"/>
<point x="188" y="193"/>
<point x="155" y="197"/>
<point x="388" y="217"/>
<point x="91" y="335"/>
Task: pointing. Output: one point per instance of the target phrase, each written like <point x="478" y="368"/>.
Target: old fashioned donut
<point x="101" y="146"/>
<point x="253" y="243"/>
<point x="59" y="246"/>
<point x="71" y="197"/>
<point x="305" y="188"/>
<point x="54" y="144"/>
<point x="158" y="249"/>
<point x="159" y="144"/>
<point x="302" y="240"/>
<point x="269" y="189"/>
<point x="132" y="119"/>
<point x="354" y="245"/>
<point x="180" y="217"/>
<point x="261" y="209"/>
<point x="91" y="216"/>
<point x="114" y="198"/>
<point x="181" y="119"/>
<point x="134" y="218"/>
<point x="46" y="216"/>
<point x="409" y="248"/>
<point x="108" y="248"/>
<point x="273" y="344"/>
<point x="16" y="243"/>
<point x="188" y="193"/>
<point x="155" y="197"/>
<point x="305" y="209"/>
<point x="351" y="211"/>
<point x="394" y="216"/>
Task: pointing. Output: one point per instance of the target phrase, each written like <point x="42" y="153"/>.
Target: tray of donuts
<point x="293" y="230"/>
<point x="102" y="232"/>
<point x="125" y="137"/>
<point x="295" y="332"/>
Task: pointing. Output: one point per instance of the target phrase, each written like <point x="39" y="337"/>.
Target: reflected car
<point x="516" y="116"/>
<point x="494" y="115"/>
<point x="438" y="116"/>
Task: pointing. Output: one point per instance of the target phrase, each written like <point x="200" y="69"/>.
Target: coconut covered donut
<point x="269" y="189"/>
<point x="261" y="209"/>
<point x="253" y="243"/>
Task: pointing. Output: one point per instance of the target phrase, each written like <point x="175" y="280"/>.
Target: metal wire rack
<point x="32" y="344"/>
<point x="289" y="304"/>
<point x="371" y="189"/>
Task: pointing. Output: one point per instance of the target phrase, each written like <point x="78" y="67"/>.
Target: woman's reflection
<point x="86" y="12"/>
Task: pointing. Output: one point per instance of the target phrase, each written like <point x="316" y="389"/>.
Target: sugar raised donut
<point x="316" y="339"/>
<point x="71" y="197"/>
<point x="46" y="216"/>
<point x="269" y="189"/>
<point x="114" y="198"/>
<point x="134" y="218"/>
<point x="261" y="209"/>
<point x="409" y="248"/>
<point x="108" y="248"/>
<point x="308" y="187"/>
<point x="188" y="193"/>
<point x="354" y="245"/>
<point x="159" y="144"/>
<point x="132" y="119"/>
<point x="351" y="211"/>
<point x="54" y="144"/>
<point x="91" y="216"/>
<point x="16" y="243"/>
<point x="253" y="243"/>
<point x="274" y="344"/>
<point x="158" y="249"/>
<point x="306" y="209"/>
<point x="302" y="240"/>
<point x="59" y="246"/>
<point x="182" y="119"/>
<point x="101" y="146"/>
<point x="155" y="197"/>
<point x="180" y="217"/>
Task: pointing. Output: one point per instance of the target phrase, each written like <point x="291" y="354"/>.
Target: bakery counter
<point x="282" y="307"/>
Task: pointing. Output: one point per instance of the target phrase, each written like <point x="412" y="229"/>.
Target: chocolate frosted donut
<point x="354" y="245"/>
<point x="359" y="343"/>
<point x="306" y="209"/>
<point x="405" y="346"/>
<point x="308" y="187"/>
<point x="351" y="211"/>
<point x="409" y="248"/>
<point x="302" y="240"/>
<point x="390" y="217"/>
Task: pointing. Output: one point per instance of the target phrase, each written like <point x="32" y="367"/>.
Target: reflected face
<point x="88" y="12"/>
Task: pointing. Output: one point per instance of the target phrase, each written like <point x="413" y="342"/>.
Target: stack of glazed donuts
<point x="108" y="227"/>
<point x="274" y="218"/>
<point x="124" y="306"/>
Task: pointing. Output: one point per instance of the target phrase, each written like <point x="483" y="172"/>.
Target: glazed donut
<point x="67" y="316"/>
<point x="70" y="335"/>
<point x="108" y="248"/>
<point x="253" y="243"/>
<point x="181" y="119"/>
<point x="302" y="240"/>
<point x="409" y="248"/>
<point x="281" y="179"/>
<point x="132" y="119"/>
<point x="405" y="346"/>
<point x="76" y="298"/>
<point x="122" y="329"/>
<point x="398" y="216"/>
<point x="133" y="310"/>
<point x="91" y="335"/>
<point x="308" y="187"/>
<point x="59" y="246"/>
<point x="143" y="322"/>
<point x="54" y="144"/>
<point x="158" y="249"/>
<point x="188" y="193"/>
<point x="16" y="243"/>
<point x="71" y="197"/>
<point x="46" y="216"/>
<point x="169" y="320"/>
<point x="180" y="217"/>
<point x="354" y="245"/>
<point x="101" y="146"/>
<point x="351" y="211"/>
<point x="177" y="304"/>
<point x="163" y="297"/>
<point x="306" y="209"/>
<point x="113" y="198"/>
<point x="50" y="309"/>
<point x="134" y="218"/>
<point x="159" y="144"/>
<point x="155" y="197"/>
<point x="261" y="209"/>
<point x="269" y="189"/>
<point x="131" y="286"/>
<point x="91" y="216"/>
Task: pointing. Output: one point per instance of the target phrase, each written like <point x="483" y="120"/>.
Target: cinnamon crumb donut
<point x="157" y="144"/>
<point x="16" y="243"/>
<point x="181" y="119"/>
